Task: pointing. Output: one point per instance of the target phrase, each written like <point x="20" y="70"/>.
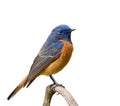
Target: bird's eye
<point x="60" y="32"/>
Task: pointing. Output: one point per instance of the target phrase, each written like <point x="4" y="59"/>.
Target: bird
<point x="52" y="57"/>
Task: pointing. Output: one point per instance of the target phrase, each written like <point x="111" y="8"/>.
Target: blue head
<point x="61" y="32"/>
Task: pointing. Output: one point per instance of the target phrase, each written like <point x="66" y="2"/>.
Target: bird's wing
<point x="45" y="57"/>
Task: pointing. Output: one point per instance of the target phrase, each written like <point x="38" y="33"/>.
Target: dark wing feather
<point x="45" y="57"/>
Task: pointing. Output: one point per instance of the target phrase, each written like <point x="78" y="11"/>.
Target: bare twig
<point x="52" y="89"/>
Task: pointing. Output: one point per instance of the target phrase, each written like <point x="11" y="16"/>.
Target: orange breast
<point x="59" y="64"/>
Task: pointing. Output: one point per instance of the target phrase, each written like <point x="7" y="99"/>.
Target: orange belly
<point x="59" y="64"/>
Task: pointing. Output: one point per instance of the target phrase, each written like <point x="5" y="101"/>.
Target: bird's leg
<point x="54" y="81"/>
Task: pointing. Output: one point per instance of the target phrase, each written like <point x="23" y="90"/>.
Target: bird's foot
<point x="57" y="84"/>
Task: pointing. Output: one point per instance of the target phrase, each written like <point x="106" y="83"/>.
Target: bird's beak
<point x="73" y="30"/>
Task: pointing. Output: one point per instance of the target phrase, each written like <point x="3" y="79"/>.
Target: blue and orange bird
<point x="52" y="57"/>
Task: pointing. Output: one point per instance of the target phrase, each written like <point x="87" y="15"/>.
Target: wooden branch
<point x="52" y="89"/>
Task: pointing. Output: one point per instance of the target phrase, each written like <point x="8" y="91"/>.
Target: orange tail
<point x="22" y="84"/>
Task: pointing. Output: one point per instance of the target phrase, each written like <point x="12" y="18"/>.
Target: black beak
<point x="69" y="31"/>
<point x="72" y="30"/>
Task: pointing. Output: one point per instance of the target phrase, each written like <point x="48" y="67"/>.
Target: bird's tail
<point x="22" y="84"/>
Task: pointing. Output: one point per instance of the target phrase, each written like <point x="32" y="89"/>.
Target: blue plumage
<point x="60" y="32"/>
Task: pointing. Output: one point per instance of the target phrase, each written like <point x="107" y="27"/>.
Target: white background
<point x="93" y="73"/>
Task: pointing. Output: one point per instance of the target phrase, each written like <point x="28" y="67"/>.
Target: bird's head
<point x="61" y="32"/>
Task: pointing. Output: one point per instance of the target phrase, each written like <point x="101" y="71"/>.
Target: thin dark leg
<point x="54" y="81"/>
